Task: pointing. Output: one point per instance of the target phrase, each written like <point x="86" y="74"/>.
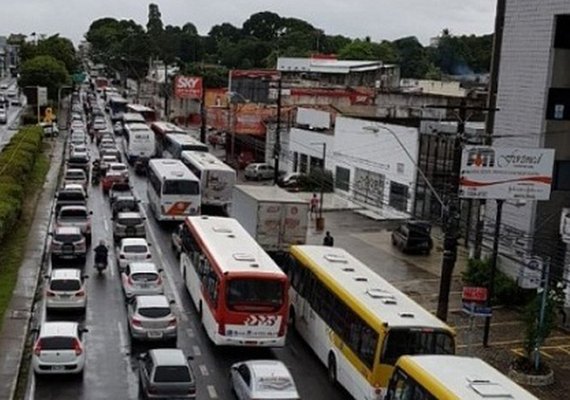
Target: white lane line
<point x="212" y="392"/>
<point x="106" y="225"/>
<point x="197" y="351"/>
<point x="190" y="333"/>
<point x="32" y="391"/>
<point x="122" y="339"/>
<point x="204" y="370"/>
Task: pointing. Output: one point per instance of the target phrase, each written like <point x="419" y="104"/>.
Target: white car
<point x="119" y="168"/>
<point x="259" y="171"/>
<point x="65" y="290"/>
<point x="132" y="249"/>
<point x="141" y="278"/>
<point x="262" y="379"/>
<point x="99" y="125"/>
<point x="151" y="318"/>
<point x="75" y="176"/>
<point x="59" y="349"/>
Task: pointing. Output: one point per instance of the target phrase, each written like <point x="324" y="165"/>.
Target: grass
<point x="12" y="250"/>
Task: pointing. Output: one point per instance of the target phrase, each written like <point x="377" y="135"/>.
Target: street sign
<point x="79" y="77"/>
<point x="474" y="294"/>
<point x="188" y="87"/>
<point x="477" y="309"/>
<point x="42" y="96"/>
<point x="506" y="173"/>
<point x="530" y="273"/>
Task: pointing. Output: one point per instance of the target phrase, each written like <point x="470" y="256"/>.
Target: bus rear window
<point x="181" y="187"/>
<point x="408" y="341"/>
<point x="254" y="294"/>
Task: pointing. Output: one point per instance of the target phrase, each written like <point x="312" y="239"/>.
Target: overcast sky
<point x="379" y="19"/>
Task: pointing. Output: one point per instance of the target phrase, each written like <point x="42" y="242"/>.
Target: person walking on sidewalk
<point x="328" y="240"/>
<point x="314" y="205"/>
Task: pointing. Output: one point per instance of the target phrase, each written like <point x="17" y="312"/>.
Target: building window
<point x="561" y="176"/>
<point x="295" y="161"/>
<point x="399" y="196"/>
<point x="303" y="165"/>
<point x="400" y="168"/>
<point x="342" y="179"/>
<point x="316" y="163"/>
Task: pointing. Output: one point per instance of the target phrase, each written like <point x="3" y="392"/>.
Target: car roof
<point x="115" y="164"/>
<point x="268" y="368"/>
<point x="109" y="156"/>
<point x="129" y="214"/>
<point x="76" y="170"/>
<point x="67" y="230"/>
<point x="124" y="198"/>
<point x="65" y="273"/>
<point x="143" y="267"/>
<point x="170" y="357"/>
<point x="131" y="241"/>
<point x="58" y="329"/>
<point x="83" y="208"/>
<point x="73" y="187"/>
<point x="152" y="301"/>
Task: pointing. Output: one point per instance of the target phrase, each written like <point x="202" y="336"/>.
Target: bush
<point x="313" y="181"/>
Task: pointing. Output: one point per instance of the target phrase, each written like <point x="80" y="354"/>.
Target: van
<point x="413" y="237"/>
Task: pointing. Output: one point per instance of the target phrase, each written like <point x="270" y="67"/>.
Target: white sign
<point x="42" y="96"/>
<point x="506" y="173"/>
<point x="530" y="273"/>
<point x="565" y="225"/>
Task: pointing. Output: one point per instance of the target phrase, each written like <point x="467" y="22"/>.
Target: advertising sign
<point x="506" y="173"/>
<point x="530" y="273"/>
<point x="188" y="87"/>
<point x="474" y="293"/>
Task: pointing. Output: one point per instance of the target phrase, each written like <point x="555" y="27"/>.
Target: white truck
<point x="275" y="218"/>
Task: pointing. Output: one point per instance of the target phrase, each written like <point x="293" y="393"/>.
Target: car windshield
<point x="118" y="168"/>
<point x="73" y="213"/>
<point x="154" y="312"/>
<point x="181" y="187"/>
<point x="135" y="248"/>
<point x="415" y="341"/>
<point x="75" y="175"/>
<point x="57" y="343"/>
<point x="275" y="383"/>
<point x="65" y="285"/>
<point x="66" y="238"/>
<point x="78" y="159"/>
<point x="70" y="195"/>
<point x="250" y="294"/>
<point x="172" y="374"/>
<point x="130" y="221"/>
<point x="121" y="187"/>
<point x="125" y="205"/>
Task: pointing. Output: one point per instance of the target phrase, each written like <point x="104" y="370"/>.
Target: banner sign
<point x="506" y="173"/>
<point x="188" y="87"/>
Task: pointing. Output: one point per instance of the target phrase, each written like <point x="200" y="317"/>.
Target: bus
<point x="138" y="142"/>
<point x="355" y="321"/>
<point x="149" y="114"/>
<point x="131" y="118"/>
<point x="117" y="107"/>
<point x="440" y="377"/>
<point x="173" y="191"/>
<point x="217" y="178"/>
<point x="176" y="143"/>
<point x="161" y="129"/>
<point x="239" y="292"/>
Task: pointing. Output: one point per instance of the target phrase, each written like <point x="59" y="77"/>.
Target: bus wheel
<point x="332" y="369"/>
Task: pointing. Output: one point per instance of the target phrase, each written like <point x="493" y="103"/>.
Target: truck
<point x="275" y="218"/>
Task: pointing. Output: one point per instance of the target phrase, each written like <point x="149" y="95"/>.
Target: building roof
<point x="328" y="66"/>
<point x="269" y="193"/>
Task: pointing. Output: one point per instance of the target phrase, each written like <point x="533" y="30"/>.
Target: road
<point x="11" y="127"/>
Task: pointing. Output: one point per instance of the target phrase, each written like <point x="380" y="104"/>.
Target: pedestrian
<point x="328" y="240"/>
<point x="314" y="205"/>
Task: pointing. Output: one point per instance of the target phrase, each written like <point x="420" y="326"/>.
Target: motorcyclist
<point x="96" y="171"/>
<point x="101" y="253"/>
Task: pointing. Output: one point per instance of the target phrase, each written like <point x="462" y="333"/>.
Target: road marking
<point x="122" y="339"/>
<point x="32" y="391"/>
<point x="212" y="392"/>
<point x="204" y="370"/>
<point x="106" y="225"/>
<point x="190" y="333"/>
<point x="197" y="351"/>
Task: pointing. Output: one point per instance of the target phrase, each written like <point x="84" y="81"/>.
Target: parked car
<point x="290" y="182"/>
<point x="65" y="290"/>
<point x="110" y="178"/>
<point x="124" y="204"/>
<point x="165" y="374"/>
<point x="68" y="243"/>
<point x="75" y="176"/>
<point x="132" y="249"/>
<point x="70" y="195"/>
<point x="259" y="171"/>
<point x="3" y="116"/>
<point x="262" y="379"/>
<point x="413" y="237"/>
<point x="77" y="216"/>
<point x="59" y="349"/>
<point x="128" y="225"/>
<point x="152" y="318"/>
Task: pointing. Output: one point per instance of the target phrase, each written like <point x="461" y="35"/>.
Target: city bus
<point x="161" y="129"/>
<point x="173" y="191"/>
<point x="117" y="107"/>
<point x="440" y="377"/>
<point x="138" y="142"/>
<point x="239" y="292"/>
<point x="356" y="322"/>
<point x="149" y="114"/>
<point x="176" y="143"/>
<point x="217" y="178"/>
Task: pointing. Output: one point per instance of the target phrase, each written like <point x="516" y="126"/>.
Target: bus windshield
<point x="259" y="294"/>
<point x="408" y="341"/>
<point x="181" y="187"/>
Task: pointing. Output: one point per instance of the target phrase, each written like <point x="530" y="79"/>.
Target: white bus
<point x="451" y="378"/>
<point x="217" y="178"/>
<point x="161" y="129"/>
<point x="131" y="118"/>
<point x="173" y="191"/>
<point x="176" y="143"/>
<point x="117" y="107"/>
<point x="138" y="142"/>
<point x="149" y="114"/>
<point x="355" y="321"/>
<point x="239" y="292"/>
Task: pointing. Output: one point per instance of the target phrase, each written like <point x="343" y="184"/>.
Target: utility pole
<point x="277" y="145"/>
<point x="166" y="116"/>
<point x="202" y="114"/>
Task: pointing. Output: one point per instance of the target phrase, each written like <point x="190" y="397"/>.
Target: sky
<point x="379" y="19"/>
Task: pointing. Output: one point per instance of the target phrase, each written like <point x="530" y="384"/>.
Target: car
<point x="3" y="86"/>
<point x="99" y="124"/>
<point x="141" y="278"/>
<point x="119" y="167"/>
<point x="106" y="141"/>
<point x="413" y="237"/>
<point x="59" y="349"/>
<point x="3" y="116"/>
<point x="107" y="158"/>
<point x="124" y="204"/>
<point x="11" y="93"/>
<point x="151" y="318"/>
<point x="259" y="171"/>
<point x="68" y="243"/>
<point x="16" y="101"/>
<point x="118" y="190"/>
<point x="70" y="195"/>
<point x="110" y="178"/>
<point x="4" y="102"/>
<point x="65" y="290"/>
<point x="79" y="148"/>
<point x="113" y="152"/>
<point x="176" y="239"/>
<point x="132" y="249"/>
<point x="49" y="129"/>
<point x="128" y="225"/>
<point x="77" y="140"/>
<point x="262" y="379"/>
<point x="291" y="182"/>
<point x="79" y="160"/>
<point x="166" y="374"/>
<point x="77" y="216"/>
<point x="75" y="176"/>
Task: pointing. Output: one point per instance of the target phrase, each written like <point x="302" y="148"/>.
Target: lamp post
<point x="322" y="178"/>
<point x="277" y="145"/>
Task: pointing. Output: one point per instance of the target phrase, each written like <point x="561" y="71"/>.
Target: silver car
<point x="259" y="171"/>
<point x="128" y="224"/>
<point x="166" y="374"/>
<point x="75" y="176"/>
<point x="141" y="278"/>
<point x="65" y="290"/>
<point x="262" y="379"/>
<point x="77" y="216"/>
<point x="151" y="318"/>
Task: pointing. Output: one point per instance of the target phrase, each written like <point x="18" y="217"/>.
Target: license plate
<point x="155" y="335"/>
<point x="57" y="368"/>
<point x="65" y="296"/>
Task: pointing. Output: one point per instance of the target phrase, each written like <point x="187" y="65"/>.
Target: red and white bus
<point x="161" y="129"/>
<point x="237" y="289"/>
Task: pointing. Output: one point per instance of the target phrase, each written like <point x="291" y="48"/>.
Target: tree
<point x="44" y="71"/>
<point x="55" y="46"/>
<point x="412" y="57"/>
<point x="264" y="26"/>
<point x="155" y="29"/>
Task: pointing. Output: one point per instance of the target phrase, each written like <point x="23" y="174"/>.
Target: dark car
<point x="69" y="197"/>
<point x="166" y="374"/>
<point x="79" y="161"/>
<point x="413" y="237"/>
<point x="125" y="204"/>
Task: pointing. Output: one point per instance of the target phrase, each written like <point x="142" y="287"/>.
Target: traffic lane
<point x="10" y="128"/>
<point x="309" y="374"/>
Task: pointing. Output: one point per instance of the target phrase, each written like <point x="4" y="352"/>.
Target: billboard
<point x="506" y="173"/>
<point x="188" y="87"/>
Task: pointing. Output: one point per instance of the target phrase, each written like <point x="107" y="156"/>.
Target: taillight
<point x="148" y="255"/>
<point x="81" y="293"/>
<point x="136" y="322"/>
<point x="221" y="329"/>
<point x="283" y="327"/>
<point x="158" y="280"/>
<point x="38" y="348"/>
<point x="49" y="293"/>
<point x="122" y="256"/>
<point x="77" y="347"/>
<point x="172" y="321"/>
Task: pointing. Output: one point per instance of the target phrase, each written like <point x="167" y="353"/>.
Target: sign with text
<point x="188" y="87"/>
<point x="477" y="310"/>
<point x="474" y="293"/>
<point x="506" y="173"/>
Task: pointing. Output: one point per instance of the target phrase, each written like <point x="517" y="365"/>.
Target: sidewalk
<point x="17" y="318"/>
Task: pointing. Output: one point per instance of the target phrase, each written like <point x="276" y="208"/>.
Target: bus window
<point x="181" y="187"/>
<point x="242" y="293"/>
<point x="415" y="341"/>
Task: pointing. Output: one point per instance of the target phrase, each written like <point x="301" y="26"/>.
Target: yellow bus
<point x="356" y="322"/>
<point x="443" y="377"/>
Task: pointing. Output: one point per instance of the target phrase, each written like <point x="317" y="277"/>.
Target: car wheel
<point x="332" y="369"/>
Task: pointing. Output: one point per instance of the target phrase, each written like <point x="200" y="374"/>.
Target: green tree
<point x="357" y="50"/>
<point x="44" y="71"/>
<point x="412" y="57"/>
<point x="265" y="26"/>
<point x="155" y="29"/>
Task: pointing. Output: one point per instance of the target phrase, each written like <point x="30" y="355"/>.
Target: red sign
<point x="188" y="87"/>
<point x="474" y="294"/>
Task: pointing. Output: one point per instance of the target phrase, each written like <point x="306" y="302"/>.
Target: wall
<point x="304" y="141"/>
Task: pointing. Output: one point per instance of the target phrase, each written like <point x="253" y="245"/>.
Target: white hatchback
<point x="132" y="249"/>
<point x="141" y="278"/>
<point x="59" y="349"/>
<point x="262" y="379"/>
<point x="65" y="290"/>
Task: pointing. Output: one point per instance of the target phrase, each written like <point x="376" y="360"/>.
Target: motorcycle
<point x="95" y="179"/>
<point x="100" y="266"/>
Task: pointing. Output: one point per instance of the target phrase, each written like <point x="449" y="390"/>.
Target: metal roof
<point x="270" y="194"/>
